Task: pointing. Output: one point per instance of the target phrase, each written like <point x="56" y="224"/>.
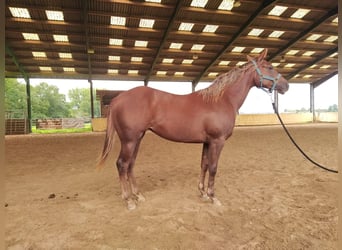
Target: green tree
<point x="333" y="108"/>
<point x="47" y="102"/>
<point x="15" y="97"/>
<point x="80" y="103"/>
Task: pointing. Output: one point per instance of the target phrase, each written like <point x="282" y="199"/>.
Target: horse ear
<point x="263" y="55"/>
<point x="249" y="58"/>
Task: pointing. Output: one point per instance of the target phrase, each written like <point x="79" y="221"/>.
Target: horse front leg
<point x="214" y="152"/>
<point x="204" y="169"/>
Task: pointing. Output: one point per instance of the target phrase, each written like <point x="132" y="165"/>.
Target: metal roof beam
<point x="327" y="54"/>
<point x="234" y="38"/>
<point x="331" y="13"/>
<point x="16" y="62"/>
<point x="323" y="79"/>
<point x="162" y="43"/>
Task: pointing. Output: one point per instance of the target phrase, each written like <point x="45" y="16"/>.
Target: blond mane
<point x="219" y="85"/>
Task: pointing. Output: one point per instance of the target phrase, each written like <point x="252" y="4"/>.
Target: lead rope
<point x="293" y="141"/>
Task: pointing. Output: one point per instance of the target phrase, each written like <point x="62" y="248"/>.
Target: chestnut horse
<point x="206" y="116"/>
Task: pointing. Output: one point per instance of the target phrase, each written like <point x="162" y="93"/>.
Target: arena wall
<point x="99" y="124"/>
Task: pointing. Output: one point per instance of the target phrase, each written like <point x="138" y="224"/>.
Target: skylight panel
<point x="43" y="68"/>
<point x="277" y="10"/>
<point x="292" y="52"/>
<point x="335" y="20"/>
<point x="54" y="15"/>
<point x="139" y="43"/>
<point x="224" y="63"/>
<point x="309" y="53"/>
<point x="313" y="37"/>
<point x="179" y="73"/>
<point x="113" y="71"/>
<point x="113" y="58"/>
<point x="176" y="45"/>
<point x="115" y="41"/>
<point x="38" y="54"/>
<point x="276" y="34"/>
<point x="240" y="64"/>
<point x="31" y="36"/>
<point x="161" y="73"/>
<point x="197" y="47"/>
<point x="300" y="13"/>
<point x="20" y="12"/>
<point x="331" y="39"/>
<point x="168" y="60"/>
<point x="146" y="23"/>
<point x="68" y="69"/>
<point x="213" y="74"/>
<point x="275" y="64"/>
<point x="133" y="72"/>
<point x="257" y="50"/>
<point x="136" y="59"/>
<point x="65" y="55"/>
<point x="325" y="67"/>
<point x="333" y="55"/>
<point x="210" y="28"/>
<point x="198" y="3"/>
<point x="60" y="38"/>
<point x="185" y="26"/>
<point x="307" y="76"/>
<point x="290" y="65"/>
<point x="187" y="61"/>
<point x="313" y="66"/>
<point x="238" y="49"/>
<point x="153" y="1"/>
<point x="255" y="32"/>
<point x="118" y="20"/>
<point x="226" y="5"/>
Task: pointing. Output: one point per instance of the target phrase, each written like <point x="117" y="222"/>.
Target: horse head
<point x="266" y="76"/>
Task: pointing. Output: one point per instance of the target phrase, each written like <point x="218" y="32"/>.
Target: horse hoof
<point x="131" y="205"/>
<point x="140" y="197"/>
<point x="216" y="202"/>
<point x="205" y="197"/>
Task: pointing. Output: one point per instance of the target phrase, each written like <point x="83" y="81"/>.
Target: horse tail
<point x="108" y="143"/>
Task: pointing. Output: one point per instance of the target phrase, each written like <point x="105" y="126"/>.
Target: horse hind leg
<point x="204" y="169"/>
<point x="123" y="164"/>
<point x="131" y="177"/>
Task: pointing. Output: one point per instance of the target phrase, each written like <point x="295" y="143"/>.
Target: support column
<point x="28" y="101"/>
<point x="91" y="98"/>
<point x="312" y="102"/>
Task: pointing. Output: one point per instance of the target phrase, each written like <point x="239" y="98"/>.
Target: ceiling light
<point x="115" y="41"/>
<point x="255" y="32"/>
<point x="313" y="37"/>
<point x="139" y="43"/>
<point x="198" y="3"/>
<point x="276" y="34"/>
<point x="238" y="49"/>
<point x="146" y="23"/>
<point x="210" y="28"/>
<point x="30" y="36"/>
<point x="224" y="63"/>
<point x="20" y="12"/>
<point x="118" y="20"/>
<point x="176" y="45"/>
<point x="113" y="58"/>
<point x="197" y="47"/>
<point x="54" y="15"/>
<point x="277" y="10"/>
<point x="185" y="26"/>
<point x="226" y="5"/>
<point x="300" y="13"/>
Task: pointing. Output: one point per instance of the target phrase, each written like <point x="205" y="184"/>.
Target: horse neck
<point x="237" y="92"/>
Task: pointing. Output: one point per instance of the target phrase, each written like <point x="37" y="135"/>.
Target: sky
<point x="256" y="102"/>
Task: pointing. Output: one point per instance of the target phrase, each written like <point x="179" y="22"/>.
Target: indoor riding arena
<point x="271" y="196"/>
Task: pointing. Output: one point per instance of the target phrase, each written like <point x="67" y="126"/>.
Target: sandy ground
<point x="272" y="197"/>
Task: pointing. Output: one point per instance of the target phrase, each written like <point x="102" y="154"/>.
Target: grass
<point x="87" y="128"/>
